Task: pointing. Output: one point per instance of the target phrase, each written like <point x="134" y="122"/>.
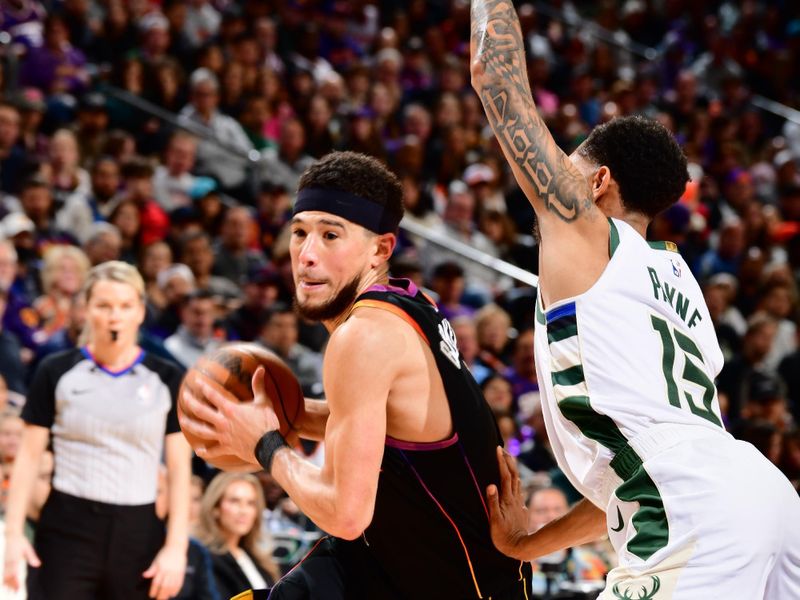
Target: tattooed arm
<point x="571" y="226"/>
<point x="499" y="75"/>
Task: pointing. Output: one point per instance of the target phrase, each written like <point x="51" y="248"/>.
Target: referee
<point x="111" y="411"/>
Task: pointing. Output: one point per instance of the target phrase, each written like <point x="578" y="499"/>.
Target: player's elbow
<point x="350" y="522"/>
<point x="349" y="528"/>
<point x="477" y="73"/>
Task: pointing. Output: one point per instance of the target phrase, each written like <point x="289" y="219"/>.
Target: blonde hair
<point x="210" y="533"/>
<point x="114" y="270"/>
<point x="54" y="255"/>
<point x="111" y="270"/>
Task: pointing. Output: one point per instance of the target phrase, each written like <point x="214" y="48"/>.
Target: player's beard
<point x="334" y="307"/>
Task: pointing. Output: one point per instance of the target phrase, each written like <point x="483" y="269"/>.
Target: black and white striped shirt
<point x="107" y="427"/>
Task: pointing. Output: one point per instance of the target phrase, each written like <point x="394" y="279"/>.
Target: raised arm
<point x="556" y="189"/>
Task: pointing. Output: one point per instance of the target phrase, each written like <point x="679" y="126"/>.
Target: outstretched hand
<point x="229" y="426"/>
<point x="507" y="512"/>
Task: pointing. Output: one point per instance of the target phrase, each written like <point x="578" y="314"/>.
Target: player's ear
<point x="601" y="180"/>
<point x="385" y="244"/>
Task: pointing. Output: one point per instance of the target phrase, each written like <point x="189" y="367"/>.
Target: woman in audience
<point x="63" y="274"/>
<point x="230" y="527"/>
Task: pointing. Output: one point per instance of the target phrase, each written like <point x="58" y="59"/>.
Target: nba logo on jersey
<point x="144" y="396"/>
<point x="676" y="267"/>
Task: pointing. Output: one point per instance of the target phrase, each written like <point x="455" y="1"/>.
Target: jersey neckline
<point x="139" y="357"/>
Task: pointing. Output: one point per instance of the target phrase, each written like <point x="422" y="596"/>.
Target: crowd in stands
<point x="257" y="90"/>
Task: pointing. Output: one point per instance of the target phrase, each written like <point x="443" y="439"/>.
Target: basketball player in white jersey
<point x="626" y="356"/>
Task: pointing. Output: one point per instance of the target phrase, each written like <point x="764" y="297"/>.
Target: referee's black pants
<point x="93" y="550"/>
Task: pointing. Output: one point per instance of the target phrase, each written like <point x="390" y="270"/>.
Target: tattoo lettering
<point x="506" y="96"/>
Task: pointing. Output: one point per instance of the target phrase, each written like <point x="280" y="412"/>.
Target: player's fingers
<point x="213" y="396"/>
<point x="210" y="451"/>
<point x="494" y="502"/>
<point x="203" y="411"/>
<point x="31" y="557"/>
<point x="196" y="428"/>
<point x="511" y="463"/>
<point x="259" y="390"/>
<point x="506" y="485"/>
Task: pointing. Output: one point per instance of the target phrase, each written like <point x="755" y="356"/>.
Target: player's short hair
<point x="358" y="175"/>
<point x="644" y="159"/>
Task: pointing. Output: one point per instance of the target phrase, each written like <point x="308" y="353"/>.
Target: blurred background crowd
<point x="171" y="134"/>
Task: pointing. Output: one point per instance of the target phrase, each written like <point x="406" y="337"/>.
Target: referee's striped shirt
<point x="107" y="427"/>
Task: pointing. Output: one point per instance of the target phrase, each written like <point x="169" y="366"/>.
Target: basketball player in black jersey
<point x="409" y="440"/>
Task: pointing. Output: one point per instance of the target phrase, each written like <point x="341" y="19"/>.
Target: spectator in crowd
<point x="195" y="335"/>
<point x="12" y="157"/>
<point x="778" y="300"/>
<point x="284" y="165"/>
<point x="261" y="290"/>
<point x="57" y="67"/>
<point x="235" y="256"/>
<point x="460" y="224"/>
<point x="733" y="378"/>
<point x="279" y="334"/>
<point x="32" y="140"/>
<point x="467" y="340"/>
<point x="12" y="368"/>
<point x="18" y="317"/>
<point x="174" y="184"/>
<point x="154" y="222"/>
<point x="176" y="282"/>
<point x="447" y="282"/>
<point x="91" y="128"/>
<point x="156" y="257"/>
<point x="36" y="199"/>
<point x="571" y="565"/>
<point x="214" y="156"/>
<point x="499" y="394"/>
<point x="766" y="401"/>
<point x="126" y="218"/>
<point x="493" y="325"/>
<point x="81" y="210"/>
<point x="63" y="169"/>
<point x="63" y="273"/>
<point x="790" y="458"/>
<point x="11" y="427"/>
<point x="717" y="299"/>
<point x="230" y="527"/>
<point x="103" y="243"/>
<point x="197" y="253"/>
<point x="198" y="583"/>
<point x="64" y="338"/>
<point x="522" y="372"/>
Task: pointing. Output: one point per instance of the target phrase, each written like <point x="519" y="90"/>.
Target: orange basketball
<point x="231" y="368"/>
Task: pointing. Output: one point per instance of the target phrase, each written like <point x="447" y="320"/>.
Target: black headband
<point x="356" y="209"/>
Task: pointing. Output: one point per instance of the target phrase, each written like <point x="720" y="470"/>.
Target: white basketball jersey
<point x="635" y="351"/>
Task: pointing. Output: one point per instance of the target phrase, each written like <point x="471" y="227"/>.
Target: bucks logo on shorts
<point x="641" y="594"/>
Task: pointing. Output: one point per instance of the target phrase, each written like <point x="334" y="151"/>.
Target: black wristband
<point x="266" y="448"/>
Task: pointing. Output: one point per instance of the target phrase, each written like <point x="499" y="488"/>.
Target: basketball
<point x="231" y="369"/>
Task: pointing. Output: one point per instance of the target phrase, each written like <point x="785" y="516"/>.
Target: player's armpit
<point x="557" y="190"/>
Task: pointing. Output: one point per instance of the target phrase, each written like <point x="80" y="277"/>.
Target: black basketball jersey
<point x="429" y="537"/>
